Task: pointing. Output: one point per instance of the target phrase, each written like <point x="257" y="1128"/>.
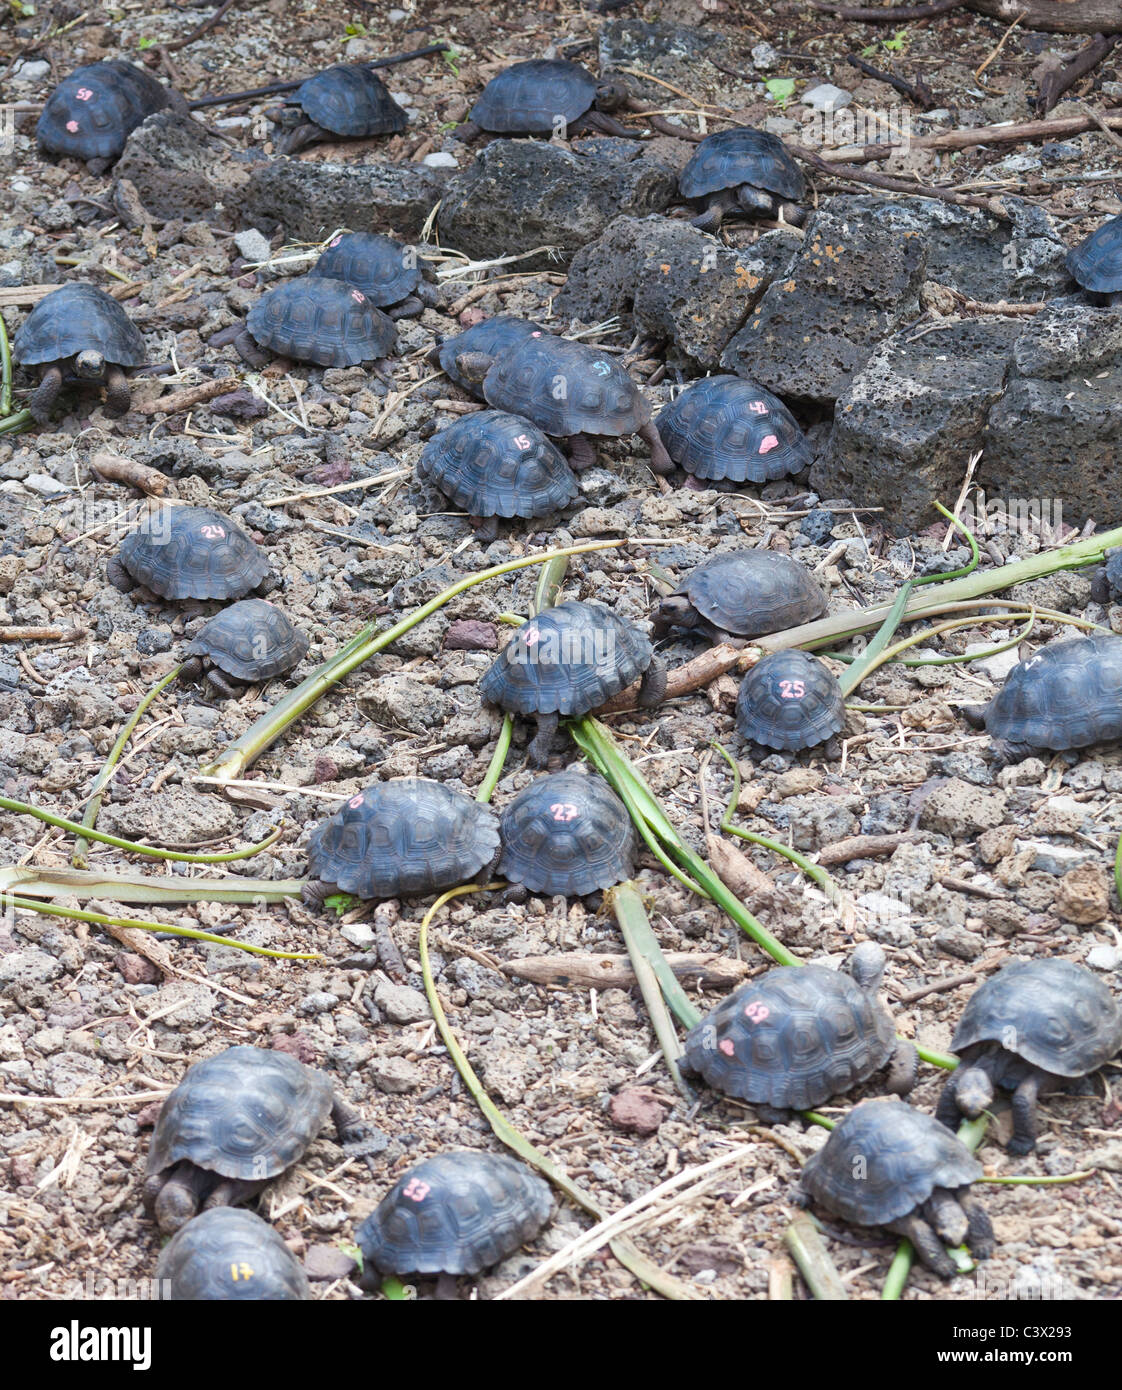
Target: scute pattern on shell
<point x="568" y="660"/>
<point x="315" y="319"/>
<point x="753" y="592"/>
<point x="566" y="388"/>
<point x="789" y="700"/>
<point x="193" y="552"/>
<point x="1096" y="263"/>
<point x="567" y="833"/>
<point x="495" y="464"/>
<point x="350" y="100"/>
<point x="491" y="336"/>
<point x="247" y="1113"/>
<point x="91" y="113"/>
<point x="791" y="1039"/>
<point x="457" y="1213"/>
<point x="251" y="640"/>
<point x="904" y="1156"/>
<point x="742" y="155"/>
<point x="725" y="427"/>
<point x="1054" y="1013"/>
<point x="1067" y="695"/>
<point x="383" y="269"/>
<point x="78" y="318"/>
<point x="229" y="1255"/>
<point x="530" y="98"/>
<point x="406" y="837"/>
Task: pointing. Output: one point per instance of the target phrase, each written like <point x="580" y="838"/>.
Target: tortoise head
<point x="90" y="365"/>
<point x="175" y="1206"/>
<point x="866" y="965"/>
<point x="474" y="366"/>
<point x="611" y="94"/>
<point x="973" y="1092"/>
<point x="675" y="611"/>
<point x="286" y="117"/>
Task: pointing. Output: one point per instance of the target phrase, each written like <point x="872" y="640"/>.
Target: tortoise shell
<point x="535" y="97"/>
<point x="883" y="1160"/>
<point x="727" y="427"/>
<point x="1055" y="1014"/>
<point x="742" y="155"/>
<point x="349" y="100"/>
<point x="406" y="837"/>
<point x="495" y="464"/>
<point x="789" y="700"/>
<point x="568" y="660"/>
<point x="792" y="1038"/>
<point x="1067" y="695"/>
<point x="91" y="113"/>
<point x="193" y="552"/>
<point x="383" y="269"/>
<point x="457" y="1213"/>
<point x="316" y="319"/>
<point x="229" y="1255"/>
<point x="78" y="318"/>
<point x="1096" y="263"/>
<point x="567" y="833"/>
<point x="749" y="593"/>
<point x="247" y="1113"/>
<point x="566" y="388"/>
<point x="251" y="641"/>
<point x="491" y="336"/>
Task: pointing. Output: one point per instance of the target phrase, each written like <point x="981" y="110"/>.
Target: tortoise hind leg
<point x="652" y="688"/>
<point x="661" y="461"/>
<point x="1024" y="1114"/>
<point x="409" y="307"/>
<point x="926" y="1244"/>
<point x="46" y="393"/>
<point x="537" y="751"/>
<point x="118" y="397"/>
<point x="903" y="1069"/>
<point x="231" y="1192"/>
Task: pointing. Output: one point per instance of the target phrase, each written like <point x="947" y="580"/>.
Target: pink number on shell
<point x="535" y="334"/>
<point x="758" y="408"/>
<point x="522" y="441"/>
<point x="416" y="1190"/>
<point x="531" y="635"/>
<point x="564" y="811"/>
<point x="792" y="690"/>
<point x="355" y="802"/>
<point x="213" y="533"/>
<point x="756" y="1012"/>
<point x="727" y="1047"/>
<point x="358" y="296"/>
<point x="83" y="94"/>
<point x="72" y="126"/>
<point x="769" y="444"/>
<point x="336" y="242"/>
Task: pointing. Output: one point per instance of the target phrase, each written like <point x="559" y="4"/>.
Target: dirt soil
<point x="998" y="864"/>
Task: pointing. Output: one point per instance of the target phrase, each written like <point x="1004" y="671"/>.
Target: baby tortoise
<point x="388" y="273"/>
<point x="727" y="428"/>
<point x="81" y="332"/>
<point x="225" y="1255"/>
<point x="490" y="337"/>
<point x="789" y="701"/>
<point x="190" y="552"/>
<point x="1096" y="263"/>
<point x="738" y="594"/>
<point x="798" y="1035"/>
<point x="248" y="642"/>
<point x="547" y="96"/>
<point x="316" y="319"/>
<point x="91" y="113"/>
<point x="567" y="661"/>
<point x="1031" y="1028"/>
<point x="746" y="170"/>
<point x="235" y="1122"/>
<point x="346" y="100"/>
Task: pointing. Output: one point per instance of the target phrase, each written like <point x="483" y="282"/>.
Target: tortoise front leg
<point x="118" y="397"/>
<point x="716" y="206"/>
<point x="407" y="309"/>
<point x="537" y="752"/>
<point x="652" y="688"/>
<point x="582" y="453"/>
<point x="304" y="134"/>
<point x="191" y="670"/>
<point x="661" y="461"/>
<point x="231" y="1192"/>
<point x="605" y="124"/>
<point x="1024" y="1114"/>
<point x="245" y="345"/>
<point x="219" y="682"/>
<point x="486" y="527"/>
<point x="46" y="393"/>
<point x="979" y="1230"/>
<point x="926" y="1244"/>
<point x="118" y="576"/>
<point x="947" y="1110"/>
<point x="174" y="1198"/>
<point x="467" y="131"/>
<point x="903" y="1069"/>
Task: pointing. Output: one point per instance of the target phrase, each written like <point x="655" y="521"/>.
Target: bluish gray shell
<point x="494" y="464"/>
<point x="1067" y="695"/>
<point x="728" y="427"/>
<point x="789" y="700"/>
<point x="251" y="641"/>
<point x="457" y="1213"/>
<point x="406" y="837"/>
<point x="532" y="98"/>
<point x="228" y="1255"/>
<point x="568" y="660"/>
<point x="492" y="336"/>
<point x="753" y="592"/>
<point x="1097" y="262"/>
<point x="383" y="269"/>
<point x="193" y="552"/>
<point x="91" y="113"/>
<point x="567" y="833"/>
<point x="792" y="1038"/>
<point x="314" y="319"/>
<point x="883" y="1161"/>
<point x="742" y="155"/>
<point x="566" y="388"/>
<point x="349" y="100"/>
<point x="78" y="318"/>
<point x="246" y="1113"/>
<point x="1053" y="1013"/>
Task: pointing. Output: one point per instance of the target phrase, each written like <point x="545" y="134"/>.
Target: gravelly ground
<point x="84" y="1018"/>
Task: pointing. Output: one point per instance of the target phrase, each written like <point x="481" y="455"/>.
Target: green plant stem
<point x="234" y="760"/>
<point x="81" y="848"/>
<point x="809" y="1252"/>
<point x="498" y="761"/>
<point x="100" y="919"/>
<point x="18" y="423"/>
<point x="153" y="851"/>
<point x="5" y="370"/>
<point x="1029" y="1181"/>
<point x="514" y="1139"/>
